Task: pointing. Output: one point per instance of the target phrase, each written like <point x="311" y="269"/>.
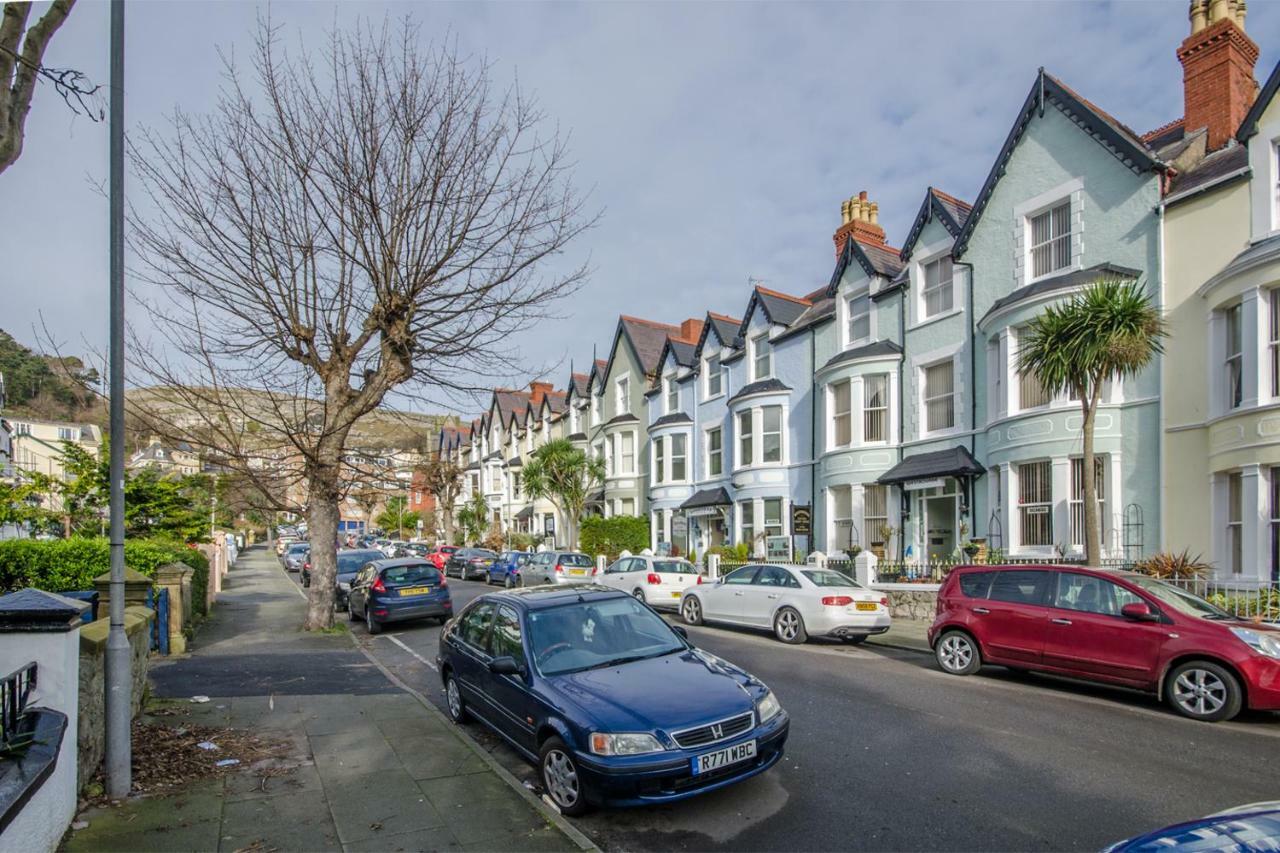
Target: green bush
<point x="612" y="536"/>
<point x="67" y="565"/>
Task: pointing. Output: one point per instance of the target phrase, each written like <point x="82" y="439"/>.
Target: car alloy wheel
<point x="453" y="699"/>
<point x="691" y="610"/>
<point x="510" y="583"/>
<point x="957" y="654"/>
<point x="1204" y="691"/>
<point x="560" y="778"/>
<point x="351" y="610"/>
<point x="639" y="594"/>
<point x="789" y="627"/>
<point x="372" y="624"/>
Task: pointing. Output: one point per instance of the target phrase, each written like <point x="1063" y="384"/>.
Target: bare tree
<point x="442" y="479"/>
<point x="375" y="219"/>
<point x="22" y="67"/>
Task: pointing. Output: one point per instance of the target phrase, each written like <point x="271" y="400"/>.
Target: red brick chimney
<point x="538" y="390"/>
<point x="691" y="330"/>
<point x="1217" y="69"/>
<point x="859" y="219"/>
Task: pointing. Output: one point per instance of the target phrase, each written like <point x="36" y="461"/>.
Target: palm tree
<point x="1111" y="330"/>
<point x="566" y="476"/>
<point x="473" y="518"/>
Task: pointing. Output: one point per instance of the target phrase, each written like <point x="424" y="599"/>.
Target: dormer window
<point x="714" y="376"/>
<point x="859" y="319"/>
<point x="622" y="398"/>
<point x="673" y="395"/>
<point x="1051" y="240"/>
<point x="939" y="295"/>
<point x="761" y="357"/>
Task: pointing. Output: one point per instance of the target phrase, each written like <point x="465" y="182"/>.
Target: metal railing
<point x="15" y="690"/>
<point x="1243" y="600"/>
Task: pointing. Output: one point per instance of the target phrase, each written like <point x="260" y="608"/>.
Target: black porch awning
<point x="952" y="462"/>
<point x="525" y="514"/>
<point x="706" y="498"/>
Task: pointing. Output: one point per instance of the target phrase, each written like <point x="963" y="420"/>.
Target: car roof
<point x="1065" y="567"/>
<point x="551" y="595"/>
<point x="402" y="561"/>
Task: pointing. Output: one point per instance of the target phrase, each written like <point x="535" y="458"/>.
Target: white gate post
<point x="713" y="567"/>
<point x="864" y="568"/>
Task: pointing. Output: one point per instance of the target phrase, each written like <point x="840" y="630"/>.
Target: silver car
<point x="558" y="567"/>
<point x="295" y="555"/>
<point x="796" y="602"/>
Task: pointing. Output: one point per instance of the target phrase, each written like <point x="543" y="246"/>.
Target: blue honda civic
<point x="613" y="705"/>
<point x="506" y="569"/>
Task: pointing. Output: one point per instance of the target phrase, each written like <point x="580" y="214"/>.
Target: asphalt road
<point x="888" y="753"/>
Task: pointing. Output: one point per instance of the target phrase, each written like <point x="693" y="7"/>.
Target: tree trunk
<point x="446" y="512"/>
<point x="323" y="490"/>
<point x="1092" y="537"/>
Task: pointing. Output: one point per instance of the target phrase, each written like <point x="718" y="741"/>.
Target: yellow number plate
<point x="675" y="595"/>
<point x="866" y="605"/>
<point x="577" y="571"/>
<point x="415" y="590"/>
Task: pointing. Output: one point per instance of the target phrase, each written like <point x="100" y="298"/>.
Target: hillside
<point x="47" y="387"/>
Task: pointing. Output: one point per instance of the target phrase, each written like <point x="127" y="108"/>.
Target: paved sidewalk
<point x="908" y="634"/>
<point x="377" y="770"/>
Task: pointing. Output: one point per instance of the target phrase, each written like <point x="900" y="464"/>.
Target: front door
<point x="1087" y="634"/>
<point x="939" y="529"/>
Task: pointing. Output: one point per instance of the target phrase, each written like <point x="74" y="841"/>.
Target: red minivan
<point x="1108" y="626"/>
<point x="440" y="555"/>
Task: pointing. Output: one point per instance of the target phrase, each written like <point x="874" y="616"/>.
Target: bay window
<point x="875" y="407"/>
<point x="1273" y="339"/>
<point x="939" y="396"/>
<point x="659" y="467"/>
<point x="745" y="450"/>
<point x="627" y="459"/>
<point x="1077" y="498"/>
<point x="1031" y="393"/>
<point x="875" y="513"/>
<point x="773" y="517"/>
<point x="841" y="415"/>
<point x="679" y="454"/>
<point x="771" y="434"/>
<point x="841" y="503"/>
<point x="715" y="452"/>
<point x="1234" y="362"/>
<point x="747" y="512"/>
<point x="1035" y="503"/>
<point x="938" y="292"/>
<point x="1051" y="240"/>
<point x="1235" y="522"/>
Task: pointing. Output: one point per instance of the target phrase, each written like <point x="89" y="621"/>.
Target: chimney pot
<point x="862" y="196"/>
<point x="874" y="214"/>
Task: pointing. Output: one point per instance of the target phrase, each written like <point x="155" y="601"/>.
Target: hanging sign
<point x="801" y="520"/>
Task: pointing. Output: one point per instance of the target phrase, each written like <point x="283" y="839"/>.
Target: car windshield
<point x="595" y="634"/>
<point x="520" y="559"/>
<point x="416" y="573"/>
<point x="350" y="562"/>
<point x="575" y="560"/>
<point x="826" y="577"/>
<point x="675" y="567"/>
<point x="1179" y="599"/>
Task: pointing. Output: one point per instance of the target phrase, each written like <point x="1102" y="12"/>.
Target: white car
<point x="657" y="581"/>
<point x="796" y="602"/>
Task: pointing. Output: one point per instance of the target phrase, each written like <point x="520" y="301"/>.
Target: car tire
<point x="958" y="653"/>
<point x="561" y="779"/>
<point x="454" y="705"/>
<point x="853" y="639"/>
<point x="638" y="593"/>
<point x="788" y="626"/>
<point x="509" y="582"/>
<point x="306" y="582"/>
<point x="1205" y="691"/>
<point x="374" y="626"/>
<point x="691" y="610"/>
<point x="351" y="610"/>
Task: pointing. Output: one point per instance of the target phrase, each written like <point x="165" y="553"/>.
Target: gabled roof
<point x="779" y="309"/>
<point x="950" y="211"/>
<point x="510" y="405"/>
<point x="1225" y="162"/>
<point x="1249" y="126"/>
<point x="725" y="328"/>
<point x="874" y="260"/>
<point x="823" y="310"/>
<point x="685" y="353"/>
<point x="1046" y="91"/>
<point x="579" y="383"/>
<point x="646" y="338"/>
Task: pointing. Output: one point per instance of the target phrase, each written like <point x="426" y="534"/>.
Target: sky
<point x="717" y="139"/>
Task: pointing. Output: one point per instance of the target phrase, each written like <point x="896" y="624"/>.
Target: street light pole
<point x="119" y="680"/>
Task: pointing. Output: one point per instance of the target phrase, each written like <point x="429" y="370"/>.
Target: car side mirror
<point x="506" y="665"/>
<point x="1138" y="612"/>
<point x="679" y="629"/>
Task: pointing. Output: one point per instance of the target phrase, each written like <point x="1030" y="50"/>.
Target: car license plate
<point x="675" y="595"/>
<point x="866" y="605"/>
<point x="577" y="571"/>
<point x="723" y="757"/>
<point x="415" y="590"/>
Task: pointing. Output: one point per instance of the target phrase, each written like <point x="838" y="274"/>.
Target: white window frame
<point x="851" y="338"/>
<point x="744" y="443"/>
<point x="1075" y="500"/>
<point x="1233" y="361"/>
<point x="756" y="354"/>
<point x="716" y="455"/>
<point x="780" y="528"/>
<point x="659" y="461"/>
<point x="743" y="526"/>
<point x="868" y="411"/>
<point x="1273" y="339"/>
<point x="841" y="517"/>
<point x="1027" y="382"/>
<point x="1235" y="523"/>
<point x="1042" y="505"/>
<point x="837" y="414"/>
<point x="711" y="366"/>
<point x="1048" y="243"/>
<point x="780" y="433"/>
<point x="940" y="288"/>
<point x="871" y="523"/>
<point x="624" y="470"/>
<point x="926" y="399"/>
<point x="681" y="454"/>
<point x="622" y="394"/>
<point x="672" y="394"/>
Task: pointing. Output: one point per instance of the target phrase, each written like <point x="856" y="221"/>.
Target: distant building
<point x="180" y="459"/>
<point x="38" y="447"/>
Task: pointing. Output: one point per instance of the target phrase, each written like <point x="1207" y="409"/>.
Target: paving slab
<point x="292" y="821"/>
<point x="385" y="801"/>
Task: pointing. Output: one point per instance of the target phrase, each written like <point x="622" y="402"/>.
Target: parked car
<point x="396" y="591"/>
<point x="558" y="567"/>
<point x="613" y="705"/>
<point x="416" y="549"/>
<point x="282" y="544"/>
<point x="467" y="563"/>
<point x="439" y="556"/>
<point x="1108" y="626"/>
<point x="797" y="602"/>
<point x="506" y="568"/>
<point x="657" y="581"/>
<point x="349" y="565"/>
<point x="295" y="555"/>
<point x="1252" y="827"/>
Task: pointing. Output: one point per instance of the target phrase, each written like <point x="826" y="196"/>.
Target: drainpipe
<point x="904" y="507"/>
<point x="813" y="430"/>
<point x="973" y="393"/>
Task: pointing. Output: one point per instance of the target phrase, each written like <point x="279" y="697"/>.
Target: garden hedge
<point x="612" y="536"/>
<point x="67" y="565"/>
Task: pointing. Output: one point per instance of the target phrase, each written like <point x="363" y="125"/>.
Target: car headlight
<point x="768" y="707"/>
<point x="1262" y="642"/>
<point x="626" y="743"/>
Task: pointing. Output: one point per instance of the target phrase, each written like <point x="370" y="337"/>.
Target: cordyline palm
<point x="566" y="476"/>
<point x="1111" y="330"/>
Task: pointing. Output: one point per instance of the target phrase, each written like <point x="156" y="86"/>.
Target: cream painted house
<point x="1221" y="384"/>
<point x="37" y="447"/>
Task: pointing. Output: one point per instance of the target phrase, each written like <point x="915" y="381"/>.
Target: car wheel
<point x="639" y="594"/>
<point x="957" y="653"/>
<point x="560" y="778"/>
<point x="351" y="610"/>
<point x="509" y="583"/>
<point x="306" y="581"/>
<point x="691" y="610"/>
<point x="1204" y="691"/>
<point x="374" y="626"/>
<point x="520" y="580"/>
<point x="853" y="639"/>
<point x="789" y="627"/>
<point x="453" y="701"/>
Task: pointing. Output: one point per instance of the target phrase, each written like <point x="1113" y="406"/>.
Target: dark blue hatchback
<point x="612" y="704"/>
<point x="506" y="568"/>
<point x="396" y="591"/>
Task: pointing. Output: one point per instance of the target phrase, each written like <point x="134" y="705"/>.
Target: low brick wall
<point x="916" y="601"/>
<point x="93" y="650"/>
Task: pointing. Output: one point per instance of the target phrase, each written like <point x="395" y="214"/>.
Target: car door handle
<point x="773" y="596"/>
<point x="1060" y="621"/>
<point x="981" y="610"/>
<point x="737" y="593"/>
